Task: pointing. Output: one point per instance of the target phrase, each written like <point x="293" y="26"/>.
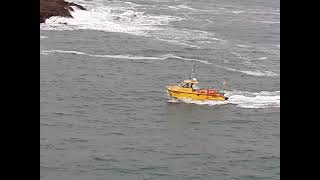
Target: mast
<point x="192" y="71"/>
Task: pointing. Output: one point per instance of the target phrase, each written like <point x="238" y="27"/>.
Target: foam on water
<point x="162" y="57"/>
<point x="260" y="73"/>
<point x="44" y="53"/>
<point x="185" y="7"/>
<point x="237" y="12"/>
<point x="243" y="46"/>
<point x="253" y="73"/>
<point x="263" y="99"/>
<point x="240" y="55"/>
<point x="263" y="58"/>
<point x="186" y="36"/>
<point x="265" y="12"/>
<point x="117" y="16"/>
<point x="269" y="22"/>
<point x="189" y="59"/>
<point x="178" y="42"/>
<point x="209" y="21"/>
<point x="242" y="99"/>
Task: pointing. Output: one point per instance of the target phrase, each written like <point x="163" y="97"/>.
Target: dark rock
<point x="77" y="5"/>
<point x="61" y="8"/>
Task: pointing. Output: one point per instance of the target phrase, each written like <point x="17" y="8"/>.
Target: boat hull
<point x="187" y="94"/>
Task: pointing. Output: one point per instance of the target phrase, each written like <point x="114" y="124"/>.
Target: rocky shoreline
<point x="61" y="8"/>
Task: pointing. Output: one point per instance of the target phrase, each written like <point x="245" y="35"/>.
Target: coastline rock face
<point x="50" y="8"/>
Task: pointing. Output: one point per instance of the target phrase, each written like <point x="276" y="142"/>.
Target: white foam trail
<point x="190" y="101"/>
<point x="263" y="58"/>
<point x="209" y="21"/>
<point x="217" y="39"/>
<point x="187" y="7"/>
<point x="269" y="22"/>
<point x="189" y="59"/>
<point x="253" y="73"/>
<point x="44" y="53"/>
<point x="237" y="12"/>
<point x="257" y="12"/>
<point x="178" y="42"/>
<point x="184" y="36"/>
<point x="205" y="42"/>
<point x="43" y="37"/>
<point x="162" y="57"/>
<point x="48" y="52"/>
<point x="173" y="7"/>
<point x="183" y="7"/>
<point x="61" y="51"/>
<point x="262" y="99"/>
<point x="242" y="99"/>
<point x="260" y="73"/>
<point x="173" y="100"/>
<point x="241" y="45"/>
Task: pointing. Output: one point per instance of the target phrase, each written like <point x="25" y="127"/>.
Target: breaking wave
<point x="124" y="17"/>
<point x="110" y="17"/>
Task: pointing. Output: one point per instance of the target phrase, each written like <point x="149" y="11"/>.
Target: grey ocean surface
<point x="104" y="111"/>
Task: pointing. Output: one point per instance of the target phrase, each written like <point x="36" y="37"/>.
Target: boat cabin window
<point x="195" y="87"/>
<point x="185" y="85"/>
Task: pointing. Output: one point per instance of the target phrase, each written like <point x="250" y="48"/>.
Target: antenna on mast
<point x="192" y="71"/>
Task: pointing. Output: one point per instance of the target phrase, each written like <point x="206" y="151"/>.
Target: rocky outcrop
<point x="50" y="8"/>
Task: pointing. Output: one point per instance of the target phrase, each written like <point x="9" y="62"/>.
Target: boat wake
<point x="242" y="99"/>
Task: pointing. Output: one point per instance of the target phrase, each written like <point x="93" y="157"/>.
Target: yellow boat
<point x="188" y="90"/>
